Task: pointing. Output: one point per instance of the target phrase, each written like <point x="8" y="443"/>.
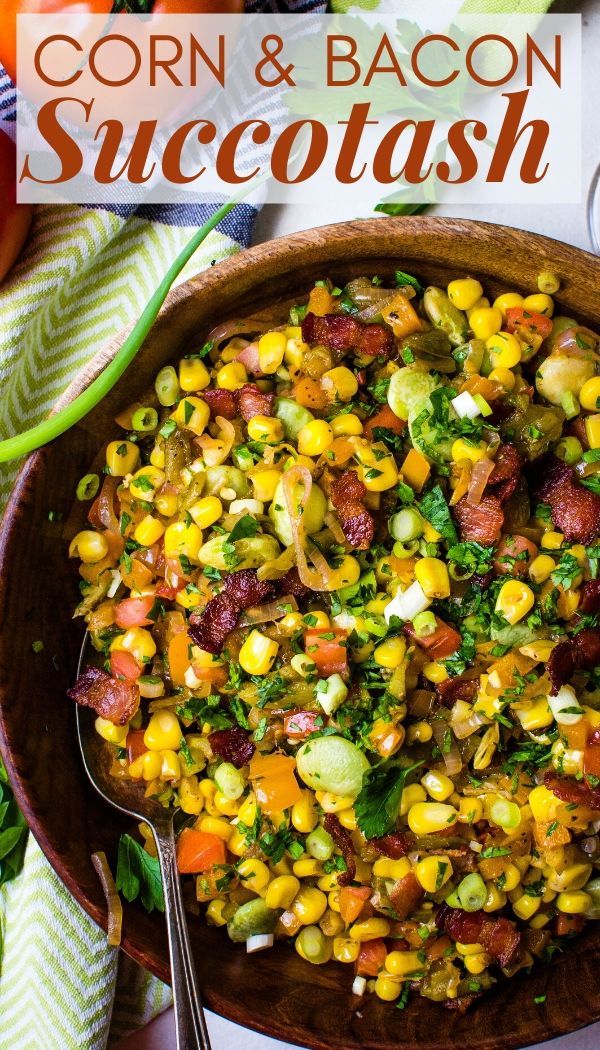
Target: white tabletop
<point x="565" y="223"/>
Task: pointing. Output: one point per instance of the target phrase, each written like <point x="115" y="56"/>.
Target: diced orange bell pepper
<point x="415" y="470"/>
<point x="591" y="756"/>
<point x="179" y="657"/>
<point x="326" y="647"/>
<point x="486" y="388"/>
<point x="384" y="417"/>
<point x="320" y="301"/>
<point x="401" y="316"/>
<point x="309" y="393"/>
<point x="352" y="901"/>
<point x="274" y="782"/>
<point x="198" y="851"/>
<point x="577" y="735"/>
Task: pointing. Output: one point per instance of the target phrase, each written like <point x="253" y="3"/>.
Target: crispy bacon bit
<point x="575" y="510"/>
<point x="589" y="597"/>
<point x="114" y="699"/>
<point x="459" y="688"/>
<point x="232" y="745"/>
<point x="499" y="937"/>
<point x="221" y="403"/>
<point x="210" y="628"/>
<point x="395" y="845"/>
<point x="358" y="526"/>
<point x="480" y="523"/>
<point x="342" y="333"/>
<point x="406" y="895"/>
<point x="462" y="1003"/>
<point x="507" y="472"/>
<point x="245" y="589"/>
<point x="254" y="402"/>
<point x="579" y="653"/>
<point x="343" y="841"/>
<point x="292" y="584"/>
<point x="569" y="790"/>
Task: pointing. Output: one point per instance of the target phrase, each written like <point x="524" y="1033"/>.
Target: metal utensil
<point x="128" y="797"/>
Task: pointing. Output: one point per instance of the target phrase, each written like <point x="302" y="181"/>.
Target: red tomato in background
<point x="15" y="219"/>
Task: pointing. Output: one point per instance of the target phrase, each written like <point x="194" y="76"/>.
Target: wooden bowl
<point x="273" y="992"/>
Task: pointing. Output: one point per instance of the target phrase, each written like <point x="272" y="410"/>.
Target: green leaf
<point x="8" y="840"/>
<point x="434" y="508"/>
<point x="138" y="875"/>
<point x="403" y="279"/>
<point x="245" y="527"/>
<point x="378" y="803"/>
<point x="391" y="208"/>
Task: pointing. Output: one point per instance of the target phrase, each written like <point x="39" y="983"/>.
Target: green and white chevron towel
<point x="86" y="273"/>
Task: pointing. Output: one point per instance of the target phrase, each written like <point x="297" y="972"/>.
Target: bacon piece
<point x="462" y="1003"/>
<point x="480" y="523"/>
<point x="245" y="589"/>
<point x="343" y="841"/>
<point x="210" y="628"/>
<point x="581" y="652"/>
<point x="299" y="724"/>
<point x="406" y="894"/>
<point x="507" y="472"/>
<point x="221" y="403"/>
<point x="341" y="333"/>
<point x="358" y="526"/>
<point x="575" y="510"/>
<point x="254" y="402"/>
<point x="395" y="845"/>
<point x="458" y="688"/>
<point x="232" y="745"/>
<point x="499" y="937"/>
<point x="569" y="790"/>
<point x="589" y="597"/>
<point x="292" y="584"/>
<point x="115" y="700"/>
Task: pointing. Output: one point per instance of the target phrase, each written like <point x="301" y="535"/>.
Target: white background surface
<point x="566" y="223"/>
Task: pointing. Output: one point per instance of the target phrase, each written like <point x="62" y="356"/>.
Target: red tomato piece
<point x="326" y="646"/>
<point x="135" y="744"/>
<point x="442" y="643"/>
<point x="528" y="322"/>
<point x="301" y="723"/>
<point x="385" y="418"/>
<point x="133" y="612"/>
<point x="371" y="958"/>
<point x="124" y="665"/>
<point x="352" y="901"/>
<point x="198" y="851"/>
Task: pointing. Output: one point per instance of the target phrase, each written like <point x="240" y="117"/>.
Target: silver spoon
<point x="127" y="796"/>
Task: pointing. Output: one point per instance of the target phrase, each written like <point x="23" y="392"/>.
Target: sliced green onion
<point x="505" y="814"/>
<point x="406" y="525"/>
<point x="405" y="550"/>
<point x="570" y="450"/>
<point x="458" y="572"/>
<point x="144" y="419"/>
<point x="424" y="624"/>
<point x="319" y="844"/>
<point x="229" y="781"/>
<point x="569" y="404"/>
<point x="167" y="386"/>
<point x="471" y="892"/>
<point x="35" y="437"/>
<point x="88" y="487"/>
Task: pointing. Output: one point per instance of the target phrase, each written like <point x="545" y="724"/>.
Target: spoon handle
<point x="192" y="1033"/>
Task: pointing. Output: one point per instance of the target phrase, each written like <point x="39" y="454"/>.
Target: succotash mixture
<point x="342" y="578"/>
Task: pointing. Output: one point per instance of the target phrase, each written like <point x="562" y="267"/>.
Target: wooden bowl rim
<point x="32" y="468"/>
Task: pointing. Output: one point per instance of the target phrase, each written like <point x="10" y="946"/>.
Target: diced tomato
<point x="326" y="646"/>
<point x="164" y="591"/>
<point x="371" y="958"/>
<point x="526" y="321"/>
<point x="124" y="665"/>
<point x="352" y="901"/>
<point x="442" y="643"/>
<point x="216" y="675"/>
<point x="274" y="782"/>
<point x="135" y="744"/>
<point x="198" y="851"/>
<point x="133" y="612"/>
<point x="566" y="924"/>
<point x="116" y="543"/>
<point x="301" y="723"/>
<point x="385" y="418"/>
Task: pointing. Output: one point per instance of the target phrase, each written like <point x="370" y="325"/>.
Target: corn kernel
<point x="216" y="826"/>
<point x="538" y="716"/>
<point x="401" y="964"/>
<point x="419" y="732"/>
<point x="254" y="874"/>
<point x="508" y="301"/>
<point x="539" y="921"/>
<point x="138" y="641"/>
<point x="589" y="395"/>
<point x="575" y="902"/>
<point x="314" y="438"/>
<point x="109" y="731"/>
<point x="264" y="483"/>
<point x="525" y="907"/>
<point x="391" y="653"/>
<point x="146" y="482"/>
<point x="282" y="891"/>
<point x="191" y="799"/>
<point x="157" y="456"/>
<point x="206" y="511"/>
<point x="163" y="732"/>
<point x="434" y="872"/>
<point x="468" y="949"/>
<point x="427" y="818"/>
<point x="544" y="803"/>
<point x="170" y="768"/>
<point x="485" y="322"/>
<point x="332" y="923"/>
<point x="229" y="807"/>
<point x="122" y="457"/>
<point x="411" y="795"/>
<point x="592" y="430"/>
<point x="147" y="766"/>
<point x="435" y="673"/>
<point x="340" y="384"/>
<point x="541" y="567"/>
<point x="387" y="988"/>
<point x="331" y="803"/>
<point x="193" y="374"/>
<point x="148" y="531"/>
<point x="370" y="930"/>
<point x="504" y="350"/>
<point x="347" y="818"/>
<point x="504" y="376"/>
<point x="462" y="449"/>
<point x="182" y="539"/>
<point x="265" y="428"/>
<point x="437" y="785"/>
<point x="192" y="413"/>
<point x="345" y="950"/>
<point x="214" y="913"/>
<point x="166" y="503"/>
<point x="477" y="963"/>
<point x="309" y="905"/>
<point x="307" y="867"/>
<point x="386" y="868"/>
<point x="512" y="877"/>
<point x="258" y="653"/>
<point x="346" y="425"/>
<point x="377" y="475"/>
<point x="514" y="601"/>
<point x="464" y="292"/>
<point x="232" y="376"/>
<point x="552" y="541"/>
<point x="495" y="899"/>
<point x="304" y="813"/>
<point x="540" y="303"/>
<point x="328" y="883"/>
<point x="88" y="545"/>
<point x="479" y="305"/>
<point x="432" y="574"/>
<point x="271" y="348"/>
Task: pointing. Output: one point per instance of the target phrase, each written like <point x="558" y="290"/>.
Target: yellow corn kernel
<point x="432" y="574"/>
<point x="370" y="930"/>
<point x="316" y="619"/>
<point x="190" y="797"/>
<point x="193" y="374"/>
<point x="148" y="531"/>
<point x="525" y="907"/>
<point x="504" y="376"/>
<point x="264" y="483"/>
<point x="411" y="795"/>
<point x="215" y="826"/>
<point x="538" y="716"/>
<point x="332" y="923"/>
<point x="340" y="384"/>
<point x="309" y="905"/>
<point x="229" y="807"/>
<point x="435" y="672"/>
<point x="346" y="575"/>
<point x="147" y="766"/>
<point x="345" y="950"/>
<point x="232" y="376"/>
<point x="541" y="567"/>
<point x="419" y="732"/>
<point x="88" y="545"/>
<point x="468" y="949"/>
<point x="281" y="892"/>
<point x="540" y="303"/>
<point x="306" y="868"/>
<point x="387" y="988"/>
<point x="539" y="921"/>
<point x="495" y="899"/>
<point x="122" y="457"/>
<point x="271" y="348"/>
<point x="552" y="541"/>
<point x="377" y="475"/>
<point x="304" y="813"/>
<point x="170" y="768"/>
<point x="504" y="350"/>
<point x="573" y="877"/>
<point x="479" y="305"/>
<point x="386" y="868"/>
<point x="166" y="503"/>
<point x="548" y="282"/>
<point x="574" y="902"/>
<point x="346" y="425"/>
<point x="544" y="803"/>
<point x="192" y="413"/>
<point x="347" y="818"/>
<point x="109" y="731"/>
<point x="146" y="482"/>
<point x="390" y="653"/>
<point x="464" y="292"/>
<point x="462" y="449"/>
<point x="427" y="818"/>
<point x="477" y="963"/>
<point x="430" y="535"/>
<point x="258" y="653"/>
<point x="254" y="874"/>
<point x="138" y="641"/>
<point x="206" y="511"/>
<point x="401" y="964"/>
<point x="589" y="395"/>
<point x="592" y="430"/>
<point x="163" y="732"/>
<point x="437" y="785"/>
<point x="331" y="803"/>
<point x="315" y="438"/>
<point x="470" y="810"/>
<point x="208" y="787"/>
<point x="265" y="428"/>
<point x="157" y="456"/>
<point x="328" y="883"/>
<point x="183" y="539"/>
<point x="514" y="601"/>
<point x="333" y="898"/>
<point x="485" y="322"/>
<point x="434" y="872"/>
<point x="507" y="301"/>
<point x="512" y="877"/>
<point x="214" y="913"/>
<point x="188" y="599"/>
